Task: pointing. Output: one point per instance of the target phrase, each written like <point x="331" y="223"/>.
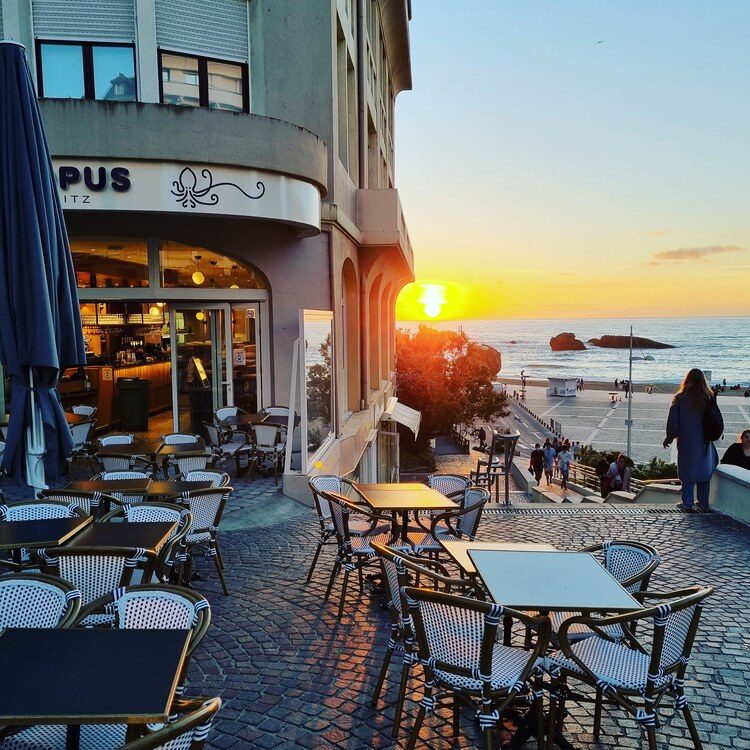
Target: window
<point x="191" y="81"/>
<point x="86" y="70"/>
<point x="110" y="263"/>
<point x="199" y="268"/>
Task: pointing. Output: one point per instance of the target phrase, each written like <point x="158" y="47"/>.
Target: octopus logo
<point x="189" y="195"/>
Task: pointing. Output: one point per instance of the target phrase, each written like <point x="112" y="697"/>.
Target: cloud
<point x="656" y="232"/>
<point x="693" y="253"/>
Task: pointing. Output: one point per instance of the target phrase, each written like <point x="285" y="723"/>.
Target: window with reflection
<point x="86" y="70"/>
<point x="110" y="263"/>
<point x="317" y="338"/>
<point x="193" y="81"/>
<point x="198" y="268"/>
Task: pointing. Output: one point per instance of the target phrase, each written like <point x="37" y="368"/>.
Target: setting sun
<point x="431" y="300"/>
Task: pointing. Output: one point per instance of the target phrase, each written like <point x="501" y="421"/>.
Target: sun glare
<point x="432" y="299"/>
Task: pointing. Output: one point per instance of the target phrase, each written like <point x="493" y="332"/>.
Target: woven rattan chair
<point x="82" y="449"/>
<point x="461" y="524"/>
<point x="628" y="674"/>
<point x="82" y="410"/>
<point x="357" y="525"/>
<point x="123" y="474"/>
<point x="398" y="571"/>
<point x="108" y="440"/>
<point x="463" y="661"/>
<point x="207" y="507"/>
<point x="630" y="563"/>
<point x="91" y="503"/>
<point x="354" y="552"/>
<point x="35" y="600"/>
<point x="453" y="486"/>
<point x="229" y="444"/>
<point x="185" y="462"/>
<point x="34" y="510"/>
<point x="168" y="556"/>
<point x="94" y="571"/>
<point x="268" y="448"/>
<point x="186" y="733"/>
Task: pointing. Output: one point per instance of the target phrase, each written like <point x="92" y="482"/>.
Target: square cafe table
<point x="175" y="489"/>
<point x="550" y="581"/>
<point x="48" y="532"/>
<point x="459" y="550"/>
<point x="395" y="498"/>
<point x="145" y="448"/>
<point x="183" y="449"/>
<point x="137" y="487"/>
<point x="244" y="420"/>
<point x="77" y="676"/>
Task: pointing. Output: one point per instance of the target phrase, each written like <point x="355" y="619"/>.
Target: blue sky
<point x="558" y="145"/>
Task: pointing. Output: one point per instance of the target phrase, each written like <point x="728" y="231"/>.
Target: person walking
<point x="536" y="463"/>
<point x="549" y="460"/>
<point x="696" y="455"/>
<point x="565" y="458"/>
<point x="601" y="469"/>
<point x="738" y="454"/>
<point x="617" y="384"/>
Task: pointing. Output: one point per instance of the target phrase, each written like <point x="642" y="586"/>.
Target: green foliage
<point x="447" y="377"/>
<point x="654" y="469"/>
<point x="319" y="386"/>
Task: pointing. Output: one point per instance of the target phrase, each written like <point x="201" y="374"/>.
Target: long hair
<point x="694" y="387"/>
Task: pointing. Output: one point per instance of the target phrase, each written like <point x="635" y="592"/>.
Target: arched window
<point x="350" y="294"/>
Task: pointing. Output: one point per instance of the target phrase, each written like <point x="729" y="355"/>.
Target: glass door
<point x="246" y="356"/>
<point x="201" y="352"/>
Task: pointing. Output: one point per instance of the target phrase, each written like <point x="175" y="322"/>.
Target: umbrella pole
<point x="35" y="447"/>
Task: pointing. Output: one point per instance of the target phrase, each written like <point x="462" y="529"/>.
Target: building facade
<point x="227" y="174"/>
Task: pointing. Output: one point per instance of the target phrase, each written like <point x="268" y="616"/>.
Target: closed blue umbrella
<point x="40" y="323"/>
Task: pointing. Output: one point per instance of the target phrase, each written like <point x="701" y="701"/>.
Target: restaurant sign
<point x="174" y="187"/>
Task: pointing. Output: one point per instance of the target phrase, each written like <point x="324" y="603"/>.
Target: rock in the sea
<point x="623" y="342"/>
<point x="566" y="342"/>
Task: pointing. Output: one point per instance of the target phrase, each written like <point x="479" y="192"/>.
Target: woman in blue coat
<point x="696" y="457"/>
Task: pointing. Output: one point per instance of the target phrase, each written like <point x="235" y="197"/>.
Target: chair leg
<point x="400" y="700"/>
<point x="314" y="561"/>
<point x="694" y="736"/>
<point x="334" y="573"/>
<point x="361" y="580"/>
<point x="456" y="716"/>
<point x="221" y="575"/>
<point x="344" y="584"/>
<point x="488" y="738"/>
<point x="552" y="718"/>
<point x="651" y="734"/>
<point x="414" y="736"/>
<point x="538" y="708"/>
<point x="381" y="677"/>
<point x="598" y="714"/>
<point x="218" y="554"/>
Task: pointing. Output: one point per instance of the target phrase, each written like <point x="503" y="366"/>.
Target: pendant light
<point x="198" y="277"/>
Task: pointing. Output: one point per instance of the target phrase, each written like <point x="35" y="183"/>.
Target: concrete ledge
<point x="543" y="496"/>
<point x="730" y="492"/>
<point x="620" y="496"/>
<point x="659" y="494"/>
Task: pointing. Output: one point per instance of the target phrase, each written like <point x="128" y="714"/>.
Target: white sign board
<point x="175" y="187"/>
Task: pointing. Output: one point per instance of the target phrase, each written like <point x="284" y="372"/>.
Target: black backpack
<point x="713" y="422"/>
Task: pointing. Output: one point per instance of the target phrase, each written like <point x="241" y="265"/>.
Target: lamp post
<point x="629" y="420"/>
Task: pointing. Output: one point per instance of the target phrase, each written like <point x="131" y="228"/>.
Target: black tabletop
<point x="72" y="419"/>
<point x="239" y="420"/>
<point x="138" y="448"/>
<point x="50" y="532"/>
<point x="149" y="535"/>
<point x="174" y="489"/>
<point x="123" y="486"/>
<point x="89" y="676"/>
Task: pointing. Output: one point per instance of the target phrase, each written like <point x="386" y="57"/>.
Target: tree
<point x="448" y="378"/>
<point x="319" y="395"/>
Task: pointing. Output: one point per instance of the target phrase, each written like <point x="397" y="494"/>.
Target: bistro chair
<point x="629" y="563"/>
<point x="463" y="662"/>
<point x="630" y="675"/>
<point x="94" y="571"/>
<point x="91" y="503"/>
<point x="81" y="446"/>
<point x="268" y="448"/>
<point x="451" y="525"/>
<point x="83" y="410"/>
<point x="108" y="440"/>
<point x="199" y="460"/>
<point x="357" y="525"/>
<point x="186" y="733"/>
<point x="114" y="461"/>
<point x="398" y="571"/>
<point x="169" y="555"/>
<point x="453" y="486"/>
<point x="35" y="510"/>
<point x="207" y="507"/>
<point x="217" y="478"/>
<point x="225" y="412"/>
<point x="34" y="600"/>
<point x="228" y="444"/>
<point x="354" y="552"/>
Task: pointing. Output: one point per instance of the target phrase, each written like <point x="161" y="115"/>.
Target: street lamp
<point x="629" y="420"/>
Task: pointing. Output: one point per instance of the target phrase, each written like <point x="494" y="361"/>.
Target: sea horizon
<point x="716" y="344"/>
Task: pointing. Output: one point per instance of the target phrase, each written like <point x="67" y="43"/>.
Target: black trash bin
<point x="133" y="394"/>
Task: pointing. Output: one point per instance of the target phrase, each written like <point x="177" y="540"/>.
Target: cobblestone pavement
<point x="292" y="676"/>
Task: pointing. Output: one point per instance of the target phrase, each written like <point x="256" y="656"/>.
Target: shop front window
<point x="185" y="266"/>
<point x="110" y="263"/>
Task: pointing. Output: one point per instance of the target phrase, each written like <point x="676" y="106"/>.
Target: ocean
<point x="721" y="345"/>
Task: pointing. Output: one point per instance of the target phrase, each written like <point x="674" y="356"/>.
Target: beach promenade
<point x="591" y="418"/>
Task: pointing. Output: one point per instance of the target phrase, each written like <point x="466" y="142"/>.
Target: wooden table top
<point x="459" y="551"/>
<point x="149" y="535"/>
<point x="405" y="498"/>
<point x="137" y="448"/>
<point x="183" y="449"/>
<point x="173" y="489"/>
<point x="89" y="676"/>
<point x="550" y="581"/>
<point x="50" y="532"/>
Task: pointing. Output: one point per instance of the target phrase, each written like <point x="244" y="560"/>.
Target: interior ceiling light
<point x="234" y="284"/>
<point x="200" y="315"/>
<point x="154" y="311"/>
<point x="198" y="277"/>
